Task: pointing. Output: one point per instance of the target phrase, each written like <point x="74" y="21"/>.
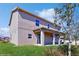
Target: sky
<point x="5" y="10"/>
<point x="45" y="10"/>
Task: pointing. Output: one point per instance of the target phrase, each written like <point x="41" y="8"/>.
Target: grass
<point x="8" y="49"/>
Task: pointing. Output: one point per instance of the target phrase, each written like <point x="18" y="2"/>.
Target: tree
<point x="64" y="16"/>
<point x="76" y="32"/>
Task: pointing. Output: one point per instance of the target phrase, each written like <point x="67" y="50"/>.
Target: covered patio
<point x="47" y="36"/>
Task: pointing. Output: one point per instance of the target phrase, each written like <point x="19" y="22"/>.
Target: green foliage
<point x="63" y="49"/>
<point x="52" y="51"/>
<point x="74" y="50"/>
<point x="8" y="49"/>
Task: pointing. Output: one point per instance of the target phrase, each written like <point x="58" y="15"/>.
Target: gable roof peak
<point x="16" y="8"/>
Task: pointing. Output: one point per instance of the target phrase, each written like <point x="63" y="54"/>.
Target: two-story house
<point x="29" y="29"/>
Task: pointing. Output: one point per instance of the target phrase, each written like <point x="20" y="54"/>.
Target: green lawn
<point x="8" y="49"/>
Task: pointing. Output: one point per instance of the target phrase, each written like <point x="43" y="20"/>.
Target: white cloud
<point x="4" y="31"/>
<point x="47" y="14"/>
<point x="4" y="28"/>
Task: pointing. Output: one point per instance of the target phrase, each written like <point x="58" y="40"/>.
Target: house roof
<point x="24" y="11"/>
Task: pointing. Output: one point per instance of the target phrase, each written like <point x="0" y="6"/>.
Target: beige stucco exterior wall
<point x="25" y="27"/>
<point x="23" y="24"/>
<point x="14" y="28"/>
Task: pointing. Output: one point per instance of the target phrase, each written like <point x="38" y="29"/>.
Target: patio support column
<point x="53" y="39"/>
<point x="42" y="37"/>
<point x="59" y="41"/>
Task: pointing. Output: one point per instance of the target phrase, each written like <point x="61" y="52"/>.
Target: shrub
<point x="63" y="49"/>
<point x="52" y="51"/>
<point x="74" y="50"/>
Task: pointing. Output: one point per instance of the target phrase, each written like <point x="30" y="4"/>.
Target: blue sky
<point x="45" y="10"/>
<point x="5" y="10"/>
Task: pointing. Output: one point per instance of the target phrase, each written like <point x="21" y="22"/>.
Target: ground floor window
<point x="29" y="35"/>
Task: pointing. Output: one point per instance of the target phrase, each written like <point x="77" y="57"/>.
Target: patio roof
<point x="48" y="29"/>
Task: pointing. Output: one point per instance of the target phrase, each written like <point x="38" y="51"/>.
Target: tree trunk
<point x="69" y="50"/>
<point x="75" y="42"/>
<point x="69" y="46"/>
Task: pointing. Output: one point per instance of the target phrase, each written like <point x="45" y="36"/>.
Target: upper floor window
<point x="58" y="28"/>
<point x="48" y="25"/>
<point x="37" y="22"/>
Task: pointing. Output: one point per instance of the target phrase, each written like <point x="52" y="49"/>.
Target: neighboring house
<point x="29" y="29"/>
<point x="4" y="38"/>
